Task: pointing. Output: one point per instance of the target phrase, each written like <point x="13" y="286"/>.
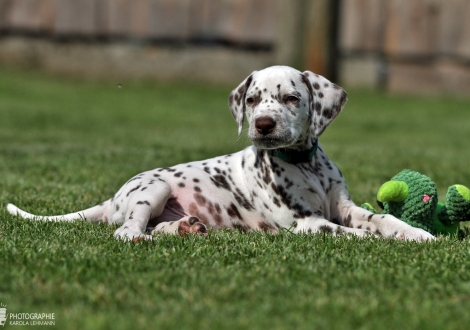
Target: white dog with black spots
<point x="284" y="180"/>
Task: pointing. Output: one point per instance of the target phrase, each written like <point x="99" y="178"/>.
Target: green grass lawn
<point x="66" y="145"/>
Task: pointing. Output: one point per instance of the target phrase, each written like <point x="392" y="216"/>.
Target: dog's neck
<point x="295" y="156"/>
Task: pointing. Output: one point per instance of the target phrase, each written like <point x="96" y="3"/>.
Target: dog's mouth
<point x="271" y="142"/>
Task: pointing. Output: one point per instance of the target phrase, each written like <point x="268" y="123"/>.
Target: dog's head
<point x="284" y="107"/>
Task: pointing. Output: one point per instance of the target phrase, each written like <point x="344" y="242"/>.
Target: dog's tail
<point x="95" y="213"/>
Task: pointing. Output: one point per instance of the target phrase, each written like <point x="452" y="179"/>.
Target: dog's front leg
<point x="382" y="224"/>
<point x="318" y="225"/>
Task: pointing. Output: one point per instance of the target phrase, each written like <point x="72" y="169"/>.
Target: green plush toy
<point x="412" y="197"/>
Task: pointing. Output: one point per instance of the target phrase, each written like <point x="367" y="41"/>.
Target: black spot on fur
<point x="328" y="113"/>
<point x="260" y="159"/>
<point x="285" y="197"/>
<point x="210" y="208"/>
<point x="220" y="182"/>
<point x="275" y="188"/>
<point x="318" y="108"/>
<point x="347" y="221"/>
<point x="241" y="227"/>
<point x="266" y="206"/>
<point x="242" y="200"/>
<point x="339" y="231"/>
<point x="232" y="211"/>
<point x="267" y="177"/>
<point x="200" y="200"/>
<point x="133" y="189"/>
<point x="218" y="218"/>
<point x="325" y="229"/>
<point x="265" y="226"/>
<point x="276" y="202"/>
<point x="137" y="177"/>
<point x="288" y="183"/>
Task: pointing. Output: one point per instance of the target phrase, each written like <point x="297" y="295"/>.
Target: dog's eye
<point x="250" y="101"/>
<point x="292" y="99"/>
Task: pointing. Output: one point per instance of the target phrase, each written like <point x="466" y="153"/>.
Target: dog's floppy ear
<point x="327" y="100"/>
<point x="236" y="101"/>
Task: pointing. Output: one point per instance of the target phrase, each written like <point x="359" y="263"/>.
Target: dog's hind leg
<point x="141" y="207"/>
<point x="144" y="205"/>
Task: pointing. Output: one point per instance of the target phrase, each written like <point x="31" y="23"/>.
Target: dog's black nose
<point x="265" y="125"/>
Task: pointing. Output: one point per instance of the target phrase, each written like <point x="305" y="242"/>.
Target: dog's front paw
<point x="127" y="234"/>
<point x="414" y="234"/>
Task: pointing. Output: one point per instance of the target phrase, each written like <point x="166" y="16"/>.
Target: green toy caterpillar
<point x="412" y="197"/>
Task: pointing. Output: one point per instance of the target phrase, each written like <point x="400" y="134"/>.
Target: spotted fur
<point x="251" y="189"/>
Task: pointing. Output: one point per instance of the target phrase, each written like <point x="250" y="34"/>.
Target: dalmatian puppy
<point x="284" y="180"/>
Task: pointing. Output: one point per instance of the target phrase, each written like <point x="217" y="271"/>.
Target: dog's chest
<point x="287" y="192"/>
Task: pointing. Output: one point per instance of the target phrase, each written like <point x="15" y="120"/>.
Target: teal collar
<point x="295" y="157"/>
